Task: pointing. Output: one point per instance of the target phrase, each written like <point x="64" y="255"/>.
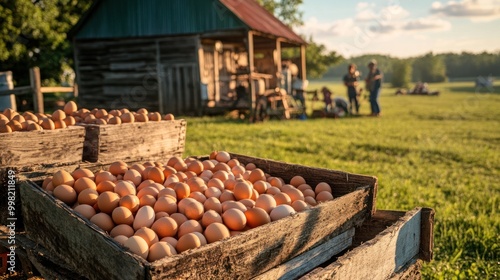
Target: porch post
<point x="251" y="70"/>
<point x="303" y="62"/>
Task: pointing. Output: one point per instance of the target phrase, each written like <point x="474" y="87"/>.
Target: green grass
<point x="439" y="152"/>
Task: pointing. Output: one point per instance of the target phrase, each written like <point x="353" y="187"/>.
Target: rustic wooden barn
<point x="178" y="56"/>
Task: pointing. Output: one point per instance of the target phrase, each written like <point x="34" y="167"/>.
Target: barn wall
<point x="133" y="73"/>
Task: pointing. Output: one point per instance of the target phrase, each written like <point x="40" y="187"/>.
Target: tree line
<point x="430" y="68"/>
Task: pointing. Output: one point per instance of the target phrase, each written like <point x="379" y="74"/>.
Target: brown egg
<point x="142" y="111"/>
<point x="59" y="124"/>
<point x="202" y="238"/>
<point x="150" y="190"/>
<point x="324" y="196"/>
<point x="120" y="239"/>
<point x="115" y="113"/>
<point x="165" y="226"/>
<point x="101" y="113"/>
<point x="137" y="245"/>
<point x="220" y="166"/>
<point x="179" y="218"/>
<point x="213" y="192"/>
<point x="180" y="166"/>
<point x="249" y="203"/>
<point x="46" y="181"/>
<point x="309" y="192"/>
<point x="188" y="241"/>
<point x="144" y="184"/>
<point x="105" y="186"/>
<point x="58" y="115"/>
<point x="65" y="193"/>
<point x="273" y="191"/>
<point x="222" y="156"/>
<point x="323" y="187"/>
<point x="216" y="183"/>
<point x="134" y="176"/>
<point x="19" y="118"/>
<point x="28" y="116"/>
<point x="165" y="204"/>
<point x="281" y="211"/>
<point x="210" y="217"/>
<point x="215" y="232"/>
<point x="118" y="167"/>
<point x="62" y="177"/>
<point x="266" y="202"/>
<point x="124" y="110"/>
<point x="282" y="198"/>
<point x="103" y="221"/>
<point x="170" y="180"/>
<point x="122" y="215"/>
<point x="85" y="210"/>
<point x="9" y="113"/>
<point x="297" y="181"/>
<point x="122" y="229"/>
<point x="88" y="196"/>
<point x="168" y="192"/>
<point x="115" y="120"/>
<point x="154" y="116"/>
<point x="275" y="182"/>
<point x="84" y="183"/>
<point x="131" y="202"/>
<point x="147" y="200"/>
<point x="156" y="174"/>
<point x="287" y="187"/>
<point x="33" y="127"/>
<point x="169" y="117"/>
<point x="234" y="219"/>
<point x="159" y="215"/>
<point x="242" y="190"/>
<point x="256" y="175"/>
<point x="233" y="204"/>
<point x="123" y="188"/>
<point x="295" y="195"/>
<point x="148" y="235"/>
<point x="101" y="176"/>
<point x="160" y="250"/>
<point x="226" y="196"/>
<point x="108" y="201"/>
<point x="198" y="196"/>
<point x="141" y="117"/>
<point x="127" y="118"/>
<point x="82" y="172"/>
<point x="196" y="184"/>
<point x="257" y="217"/>
<point x="168" y="171"/>
<point x="170" y="240"/>
<point x="250" y="166"/>
<point x="145" y="217"/>
<point x="69" y="120"/>
<point x="310" y="200"/>
<point x="300" y="205"/>
<point x="194" y="210"/>
<point x="188" y="227"/>
<point x="182" y="190"/>
<point x="196" y="167"/>
<point x="70" y="107"/>
<point x="5" y="129"/>
<point x="260" y="186"/>
<point x="213" y="203"/>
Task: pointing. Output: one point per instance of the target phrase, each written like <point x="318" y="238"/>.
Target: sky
<point x="403" y="28"/>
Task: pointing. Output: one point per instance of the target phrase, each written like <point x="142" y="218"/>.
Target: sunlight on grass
<point x="440" y="152"/>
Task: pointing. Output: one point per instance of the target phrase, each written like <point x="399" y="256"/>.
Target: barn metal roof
<point x="133" y="18"/>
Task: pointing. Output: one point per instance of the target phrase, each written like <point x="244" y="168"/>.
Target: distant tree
<point x="401" y="73"/>
<point x="286" y="10"/>
<point x="430" y="69"/>
<point x="33" y="33"/>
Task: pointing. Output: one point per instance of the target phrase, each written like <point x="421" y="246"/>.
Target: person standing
<point x="351" y="80"/>
<point x="373" y="84"/>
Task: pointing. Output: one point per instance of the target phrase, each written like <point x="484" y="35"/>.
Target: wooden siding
<point x="135" y="73"/>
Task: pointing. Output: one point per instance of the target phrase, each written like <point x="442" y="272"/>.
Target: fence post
<point x="36" y="84"/>
<point x="7" y="101"/>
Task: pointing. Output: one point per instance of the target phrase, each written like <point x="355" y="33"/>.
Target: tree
<point x="286" y="10"/>
<point x="430" y="69"/>
<point x="401" y="73"/>
<point x="33" y="33"/>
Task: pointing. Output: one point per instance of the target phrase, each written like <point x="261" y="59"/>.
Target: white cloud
<point x="472" y="9"/>
<point x="427" y="23"/>
<point x="341" y="27"/>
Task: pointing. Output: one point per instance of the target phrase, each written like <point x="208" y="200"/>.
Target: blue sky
<point x="403" y="28"/>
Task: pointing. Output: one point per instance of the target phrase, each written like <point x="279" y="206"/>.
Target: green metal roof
<point x="132" y="18"/>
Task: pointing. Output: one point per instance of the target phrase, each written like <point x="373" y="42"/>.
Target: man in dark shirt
<point x="351" y="82"/>
<point x="373" y="84"/>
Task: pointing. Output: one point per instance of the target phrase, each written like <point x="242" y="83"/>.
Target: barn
<point x="185" y="57"/>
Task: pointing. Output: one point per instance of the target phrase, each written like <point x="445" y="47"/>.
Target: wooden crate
<point x="27" y="151"/>
<point x="373" y="251"/>
<point x="54" y="225"/>
<point x="134" y="141"/>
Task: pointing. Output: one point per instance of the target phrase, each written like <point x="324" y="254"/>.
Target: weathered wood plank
<point x="381" y="256"/>
<point x="148" y="141"/>
<point x="27" y="148"/>
<point x="307" y="261"/>
<point x="87" y="249"/>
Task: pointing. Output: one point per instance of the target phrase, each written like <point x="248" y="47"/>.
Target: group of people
<point x="373" y="83"/>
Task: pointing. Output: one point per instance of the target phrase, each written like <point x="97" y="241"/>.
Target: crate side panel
<point x="260" y="249"/>
<point x="41" y="147"/>
<point x="74" y="239"/>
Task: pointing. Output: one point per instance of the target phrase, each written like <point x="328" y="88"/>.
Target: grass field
<point x="440" y="152"/>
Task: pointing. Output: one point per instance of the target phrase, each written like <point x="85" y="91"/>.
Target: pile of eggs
<point x="11" y="120"/>
<point x="158" y="210"/>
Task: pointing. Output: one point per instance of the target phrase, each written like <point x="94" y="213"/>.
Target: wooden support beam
<point x="251" y="88"/>
<point x="36" y="85"/>
<point x="17" y="91"/>
<point x="277" y="62"/>
<point x="56" y="89"/>
<point x="303" y="75"/>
